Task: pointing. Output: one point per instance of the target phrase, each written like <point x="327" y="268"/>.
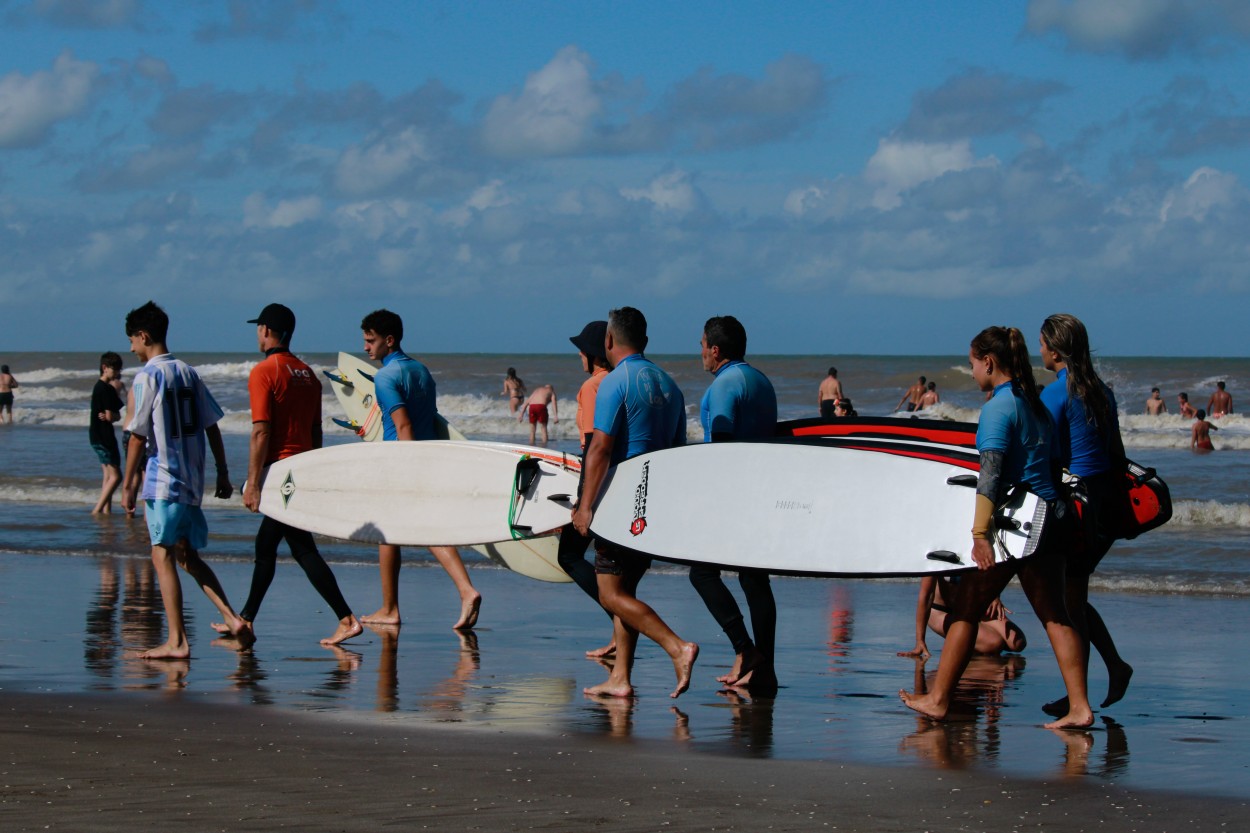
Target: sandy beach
<point x="424" y="728"/>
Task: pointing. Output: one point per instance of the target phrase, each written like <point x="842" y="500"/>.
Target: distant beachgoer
<point x="541" y="404"/>
<point x="1155" y="406"/>
<point x="995" y="632"/>
<point x="1200" y="435"/>
<point x="7" y="384"/>
<point x="830" y="393"/>
<point x="514" y="389"/>
<point x="1087" y="435"/>
<point x="285" y="397"/>
<point x="1188" y="411"/>
<point x="174" y="415"/>
<point x="929" y="398"/>
<point x="571" y="554"/>
<point x="912" y="396"/>
<point x="844" y="408"/>
<point x="1221" y="403"/>
<point x="106" y="407"/>
<point x="407" y="397"/>
<point x="1014" y="443"/>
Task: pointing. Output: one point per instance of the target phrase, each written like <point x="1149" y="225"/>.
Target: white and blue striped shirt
<point x="172" y="409"/>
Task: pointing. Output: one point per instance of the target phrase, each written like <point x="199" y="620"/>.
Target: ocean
<point x="49" y="476"/>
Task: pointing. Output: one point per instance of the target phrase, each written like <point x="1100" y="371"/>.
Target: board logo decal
<point x="287" y="489"/>
<point x="639" y="524"/>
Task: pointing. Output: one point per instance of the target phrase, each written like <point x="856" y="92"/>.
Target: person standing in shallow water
<point x="514" y="389"/>
<point x="106" y="406"/>
<point x="7" y="385"/>
<point x="1013" y="439"/>
<point x="285" y="396"/>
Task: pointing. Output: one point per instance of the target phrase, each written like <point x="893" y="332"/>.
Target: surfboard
<point x="806" y="508"/>
<point x="352" y="383"/>
<point x="1146" y="502"/>
<point x="426" y="494"/>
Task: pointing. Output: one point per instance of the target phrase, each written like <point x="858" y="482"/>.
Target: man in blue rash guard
<point x="406" y="396"/>
<point x="740" y="404"/>
<point x="638" y="409"/>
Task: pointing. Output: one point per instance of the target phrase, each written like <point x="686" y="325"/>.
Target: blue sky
<point x="846" y="178"/>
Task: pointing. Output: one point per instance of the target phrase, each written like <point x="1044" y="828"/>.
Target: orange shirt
<point x="285" y="393"/>
<point x="586" y="404"/>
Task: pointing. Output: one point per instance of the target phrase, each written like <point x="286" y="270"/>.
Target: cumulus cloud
<point x="1206" y="190"/>
<point x="144" y="168"/>
<point x="673" y="191"/>
<point x="258" y="213"/>
<point x="194" y="111"/>
<point x="553" y="113"/>
<point x="1141" y="29"/>
<point x="32" y="105"/>
<point x="898" y="166"/>
<point x="976" y="102"/>
<point x="381" y="162"/>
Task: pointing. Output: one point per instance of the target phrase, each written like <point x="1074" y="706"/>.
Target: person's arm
<point x="257" y="453"/>
<point x="594" y="470"/>
<point x="224" y="489"/>
<point x="403" y="425"/>
<point x="555" y="413"/>
<point x="988" y="490"/>
<point x="924" y="604"/>
<point x="131" y="481"/>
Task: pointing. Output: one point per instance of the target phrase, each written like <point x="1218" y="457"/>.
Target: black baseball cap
<point x="590" y="339"/>
<point x="277" y="317"/>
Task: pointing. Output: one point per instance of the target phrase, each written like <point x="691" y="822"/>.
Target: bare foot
<point x="608" y="650"/>
<point x="1076" y="719"/>
<point x="610" y="688"/>
<point x="1056" y="708"/>
<point x="1118" y="684"/>
<point x="167" y="651"/>
<point x="349" y="627"/>
<point x="922" y="703"/>
<point x="244" y="633"/>
<point x="382" y="617"/>
<point x="469" y="609"/>
<point x="683" y="664"/>
<point x="224" y="629"/>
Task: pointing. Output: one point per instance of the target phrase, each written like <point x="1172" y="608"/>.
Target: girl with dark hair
<point x="1087" y="434"/>
<point x="1013" y="439"/>
<point x="514" y="389"/>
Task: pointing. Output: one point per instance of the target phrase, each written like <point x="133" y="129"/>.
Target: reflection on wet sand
<point x="108" y="635"/>
<point x="841" y="625"/>
<point x="388" y="672"/>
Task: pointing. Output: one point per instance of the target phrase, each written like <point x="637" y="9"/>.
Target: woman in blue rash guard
<point x="1013" y="439"/>
<point x="1087" y="438"/>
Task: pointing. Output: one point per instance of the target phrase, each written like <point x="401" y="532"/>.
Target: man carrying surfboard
<point x="639" y="409"/>
<point x="406" y="396"/>
<point x="285" y="396"/>
<point x="740" y="404"/>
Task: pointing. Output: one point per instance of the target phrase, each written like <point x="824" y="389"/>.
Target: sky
<point x="843" y="177"/>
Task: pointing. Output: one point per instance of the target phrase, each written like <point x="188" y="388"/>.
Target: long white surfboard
<point x="810" y="509"/>
<point x="424" y="494"/>
<point x="352" y="383"/>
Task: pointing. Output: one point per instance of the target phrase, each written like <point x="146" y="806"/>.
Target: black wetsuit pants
<point x="304" y="551"/>
<point x="721" y="604"/>
<point x="572" y="558"/>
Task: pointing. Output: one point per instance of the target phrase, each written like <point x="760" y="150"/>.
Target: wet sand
<point x="75" y="762"/>
<point x="490" y="731"/>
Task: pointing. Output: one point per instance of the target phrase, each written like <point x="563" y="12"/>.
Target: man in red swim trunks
<point x="536" y="408"/>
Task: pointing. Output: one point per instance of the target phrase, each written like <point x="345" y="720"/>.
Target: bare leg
<point x="112" y="477"/>
<point x="176" y="646"/>
<point x="1042" y="580"/>
<point x="618" y="682"/>
<point x="617" y="595"/>
<point x="470" y="599"/>
<point x="388" y="567"/>
<point x="349" y="626"/>
<point x="204" y="576"/>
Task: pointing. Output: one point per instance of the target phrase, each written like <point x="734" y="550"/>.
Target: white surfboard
<point x="810" y="509"/>
<point x="425" y="494"/>
<point x="352" y="383"/>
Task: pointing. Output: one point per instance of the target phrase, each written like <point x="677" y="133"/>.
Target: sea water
<point x="49" y="476"/>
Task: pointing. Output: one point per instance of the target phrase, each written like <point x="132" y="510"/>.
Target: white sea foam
<point x="54" y="374"/>
<point x="40" y="395"/>
<point x="1209" y="514"/>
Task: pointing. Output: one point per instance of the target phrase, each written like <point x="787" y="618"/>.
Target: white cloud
<point x="1141" y="29"/>
<point x="899" y="166"/>
<point x="552" y="115"/>
<point x="258" y="214"/>
<point x="30" y="105"/>
<point x="671" y="191"/>
<point x="1205" y="190"/>
<point x="381" y="162"/>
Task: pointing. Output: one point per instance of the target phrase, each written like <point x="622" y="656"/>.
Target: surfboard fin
<point x="338" y="379"/>
<point x="944" y="555"/>
<point x="526" y="474"/>
<point x="962" y="480"/>
<point x="368" y="376"/>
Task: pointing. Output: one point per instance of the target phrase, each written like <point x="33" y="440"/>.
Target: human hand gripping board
<point x="809" y="508"/>
<point x="352" y="383"/>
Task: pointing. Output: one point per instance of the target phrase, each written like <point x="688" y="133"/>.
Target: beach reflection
<point x="387" y="696"/>
<point x="128" y="584"/>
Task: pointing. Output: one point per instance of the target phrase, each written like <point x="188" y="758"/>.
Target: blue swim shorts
<point x="168" y="523"/>
<point x="108" y="456"/>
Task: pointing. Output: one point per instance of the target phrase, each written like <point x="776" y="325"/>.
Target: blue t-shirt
<point x="641" y="407"/>
<point x="1077" y="441"/>
<point x="1009" y="425"/>
<point x="405" y="382"/>
<point x="740" y="402"/>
